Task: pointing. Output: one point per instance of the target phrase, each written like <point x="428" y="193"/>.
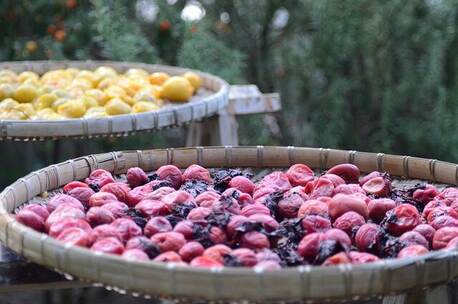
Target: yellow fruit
<point x="71" y="71"/>
<point x="72" y="109"/>
<point x="116" y="107"/>
<point x="83" y="83"/>
<point x="7" y="104"/>
<point x="106" y="82"/>
<point x="25" y="93"/>
<point x="95" y="110"/>
<point x="60" y="93"/>
<point x="8" y="73"/>
<point x="7" y="79"/>
<point x="6" y="91"/>
<point x="98" y="112"/>
<point x="177" y="88"/>
<point x="105" y="71"/>
<point x="144" y="96"/>
<point x="98" y="95"/>
<point x="28" y="75"/>
<point x="194" y="79"/>
<point x="58" y="102"/>
<point x="55" y="116"/>
<point x="158" y="78"/>
<point x="45" y="101"/>
<point x="44" y="113"/>
<point x="26" y="109"/>
<point x="144" y="106"/>
<point x="136" y="72"/>
<point x="129" y="100"/>
<point x="88" y="75"/>
<point x="115" y="91"/>
<point x="14" y="115"/>
<point x="89" y="102"/>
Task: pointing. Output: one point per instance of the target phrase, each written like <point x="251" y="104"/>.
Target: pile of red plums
<point x="222" y="218"/>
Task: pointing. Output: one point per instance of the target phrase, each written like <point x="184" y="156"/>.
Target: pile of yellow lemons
<point x="74" y="93"/>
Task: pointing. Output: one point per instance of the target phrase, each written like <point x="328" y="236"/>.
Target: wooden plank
<point x="16" y="274"/>
<point x="247" y="99"/>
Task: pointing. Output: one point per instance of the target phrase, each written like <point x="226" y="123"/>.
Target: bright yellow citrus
<point x="25" y="93"/>
<point x="177" y="88"/>
<point x="117" y="107"/>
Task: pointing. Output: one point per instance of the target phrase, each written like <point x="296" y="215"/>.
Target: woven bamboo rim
<point x="313" y="283"/>
<point x="208" y="104"/>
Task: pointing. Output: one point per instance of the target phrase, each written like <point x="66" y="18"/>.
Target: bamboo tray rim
<point x="119" y="161"/>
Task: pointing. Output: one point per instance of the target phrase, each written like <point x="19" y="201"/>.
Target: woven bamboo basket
<point x="303" y="283"/>
<point x="211" y="98"/>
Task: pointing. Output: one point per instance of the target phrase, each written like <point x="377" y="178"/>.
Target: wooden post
<point x="223" y="129"/>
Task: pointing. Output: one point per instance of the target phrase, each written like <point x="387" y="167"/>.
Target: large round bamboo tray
<point x="312" y="283"/>
<point x="211" y="98"/>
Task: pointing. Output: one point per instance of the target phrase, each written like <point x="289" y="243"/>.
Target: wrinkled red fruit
<point x="289" y="205"/>
<point x="448" y="196"/>
<point x="74" y="236"/>
<point x="335" y="179"/>
<point x="369" y="176"/>
<point x="60" y="199"/>
<point x="158" y="194"/>
<point x="205" y="262"/>
<point x="117" y="208"/>
<point x="171" y="174"/>
<point x="267" y="255"/>
<point x="235" y="223"/>
<point x="176" y="198"/>
<point x="255" y="208"/>
<point x="402" y="218"/>
<point x="412" y="250"/>
<point x="56" y="229"/>
<point x="101" y="198"/>
<point x="342" y="203"/>
<point x="414" y="238"/>
<point x="426" y="230"/>
<point x="245" y="257"/>
<point x="452" y="244"/>
<point x="64" y="211"/>
<point x="74" y="184"/>
<point x="135" y="255"/>
<point x="267" y="222"/>
<point x="309" y="246"/>
<point x="254" y="240"/>
<point x="379" y="207"/>
<point x="191" y="250"/>
<point x="430" y="206"/>
<point x="127" y="228"/>
<point x="378" y="186"/>
<point x="99" y="178"/>
<point x="441" y="211"/>
<point x="313" y="207"/>
<point x="443" y="236"/>
<point x="196" y="172"/>
<point x="138" y="193"/>
<point x="349" y="222"/>
<point x="136" y="177"/>
<point x="207" y="199"/>
<point x="31" y="219"/>
<point x="348" y="189"/>
<point x="426" y="195"/>
<point x="242" y="184"/>
<point x="37" y="209"/>
<point x="156" y="225"/>
<point x="98" y="216"/>
<point x="361" y="257"/>
<point x="186" y="228"/>
<point x="267" y="265"/>
<point x="350" y="173"/>
<point x="217" y="235"/>
<point x="168" y="257"/>
<point x="217" y="252"/>
<point x="444" y="221"/>
<point x="322" y="187"/>
<point x="144" y="244"/>
<point x="149" y="208"/>
<point x="82" y="194"/>
<point x="336" y="259"/>
<point x="199" y="214"/>
<point x="299" y="175"/>
<point x="168" y="241"/>
<point x="104" y="231"/>
<point x="276" y="181"/>
<point x="120" y="190"/>
<point x="367" y="237"/>
<point x="108" y="245"/>
<point x="315" y="223"/>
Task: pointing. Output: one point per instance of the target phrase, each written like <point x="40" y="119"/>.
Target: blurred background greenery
<point x="365" y="75"/>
